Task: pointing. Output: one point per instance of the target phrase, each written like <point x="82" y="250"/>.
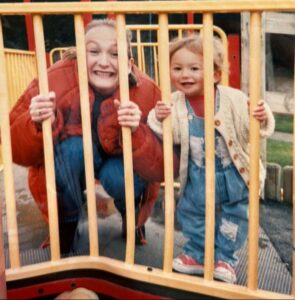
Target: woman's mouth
<point x="103" y="74"/>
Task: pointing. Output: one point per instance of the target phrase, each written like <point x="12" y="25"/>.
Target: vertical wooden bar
<point x="47" y="141"/>
<point x="87" y="139"/>
<point x="293" y="183"/>
<point x="127" y="142"/>
<point x="143" y="58"/>
<point x="163" y="36"/>
<point x="3" y="111"/>
<point x="254" y="89"/>
<point x="156" y="70"/>
<point x="3" y="294"/>
<point x="210" y="144"/>
<point x="7" y="162"/>
<point x="138" y="46"/>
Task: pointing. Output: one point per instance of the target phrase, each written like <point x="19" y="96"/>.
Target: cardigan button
<point x="230" y="142"/>
<point x="236" y="156"/>
<point x="217" y="123"/>
<point x="242" y="170"/>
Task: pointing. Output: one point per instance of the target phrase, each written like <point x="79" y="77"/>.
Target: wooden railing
<point x="164" y="276"/>
<point x="145" y="52"/>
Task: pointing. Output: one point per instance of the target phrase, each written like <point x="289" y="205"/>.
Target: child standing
<point x="231" y="157"/>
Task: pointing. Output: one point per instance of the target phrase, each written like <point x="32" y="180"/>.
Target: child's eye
<point x="194" y="68"/>
<point x="114" y="54"/>
<point x="176" y="68"/>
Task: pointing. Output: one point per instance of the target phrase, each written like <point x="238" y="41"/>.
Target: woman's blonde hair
<point x="194" y="43"/>
<point x="71" y="52"/>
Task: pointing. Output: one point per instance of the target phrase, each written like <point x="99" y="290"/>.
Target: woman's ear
<point x="217" y="76"/>
<point x="130" y="64"/>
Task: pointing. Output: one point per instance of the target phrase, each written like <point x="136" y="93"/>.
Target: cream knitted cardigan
<point x="231" y="121"/>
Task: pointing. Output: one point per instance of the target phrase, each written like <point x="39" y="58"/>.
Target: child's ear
<point x="130" y="64"/>
<point x="217" y="76"/>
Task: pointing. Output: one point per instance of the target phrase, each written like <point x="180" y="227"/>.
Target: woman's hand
<point x="162" y="110"/>
<point x="43" y="107"/>
<point x="129" y="114"/>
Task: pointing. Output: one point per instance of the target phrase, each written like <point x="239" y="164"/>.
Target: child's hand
<point x="162" y="111"/>
<point x="259" y="112"/>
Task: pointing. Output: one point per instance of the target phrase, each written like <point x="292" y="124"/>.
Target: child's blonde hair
<point x="194" y="43"/>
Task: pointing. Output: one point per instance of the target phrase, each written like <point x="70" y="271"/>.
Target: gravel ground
<point x="276" y="220"/>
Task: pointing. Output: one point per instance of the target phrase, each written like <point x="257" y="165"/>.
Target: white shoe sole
<point x="224" y="277"/>
<point x="186" y="269"/>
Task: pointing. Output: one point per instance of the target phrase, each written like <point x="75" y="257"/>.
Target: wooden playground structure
<point x="35" y="63"/>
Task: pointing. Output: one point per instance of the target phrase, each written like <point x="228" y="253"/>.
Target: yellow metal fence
<point x="163" y="276"/>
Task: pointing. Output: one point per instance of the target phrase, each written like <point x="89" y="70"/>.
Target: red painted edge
<point x="99" y="286"/>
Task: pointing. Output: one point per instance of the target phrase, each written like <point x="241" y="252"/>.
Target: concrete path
<point x="282" y="136"/>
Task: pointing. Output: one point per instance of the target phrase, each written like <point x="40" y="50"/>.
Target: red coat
<point x="27" y="140"/>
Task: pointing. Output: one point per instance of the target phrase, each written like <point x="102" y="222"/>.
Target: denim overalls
<point x="231" y="198"/>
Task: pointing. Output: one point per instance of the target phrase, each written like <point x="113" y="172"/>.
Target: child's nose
<point x="185" y="73"/>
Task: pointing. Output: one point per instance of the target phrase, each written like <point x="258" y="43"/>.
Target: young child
<point x="231" y="157"/>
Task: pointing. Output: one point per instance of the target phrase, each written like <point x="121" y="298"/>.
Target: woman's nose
<point x="103" y="59"/>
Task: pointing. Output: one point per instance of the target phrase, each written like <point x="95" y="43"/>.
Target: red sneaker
<point x="225" y="272"/>
<point x="186" y="264"/>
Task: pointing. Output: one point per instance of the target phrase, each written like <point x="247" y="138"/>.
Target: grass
<point x="280" y="152"/>
<point x="284" y="123"/>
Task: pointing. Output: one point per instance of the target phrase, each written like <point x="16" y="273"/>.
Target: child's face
<point x="102" y="59"/>
<point x="186" y="72"/>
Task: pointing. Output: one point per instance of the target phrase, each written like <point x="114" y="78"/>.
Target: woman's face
<point x="102" y="59"/>
<point x="186" y="71"/>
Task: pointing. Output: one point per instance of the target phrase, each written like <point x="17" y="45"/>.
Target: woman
<point x="62" y="106"/>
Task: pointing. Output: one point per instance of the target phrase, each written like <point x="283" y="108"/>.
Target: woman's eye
<point x="93" y="52"/>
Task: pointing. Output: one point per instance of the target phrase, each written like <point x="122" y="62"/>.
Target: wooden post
<point x="210" y="144"/>
<point x="167" y="142"/>
<point x="254" y="88"/>
<point x="3" y="294"/>
<point x="127" y="142"/>
<point x="7" y="162"/>
<point x="87" y="139"/>
<point x="47" y="141"/>
<point x="293" y="183"/>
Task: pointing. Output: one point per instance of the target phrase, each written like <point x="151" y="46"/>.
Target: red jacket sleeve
<point x="26" y="136"/>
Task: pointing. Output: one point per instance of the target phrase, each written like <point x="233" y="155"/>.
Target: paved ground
<point x="273" y="273"/>
<point x="276" y="218"/>
<point x="282" y="136"/>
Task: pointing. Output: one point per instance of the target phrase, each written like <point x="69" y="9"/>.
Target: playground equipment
<point x="108" y="275"/>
